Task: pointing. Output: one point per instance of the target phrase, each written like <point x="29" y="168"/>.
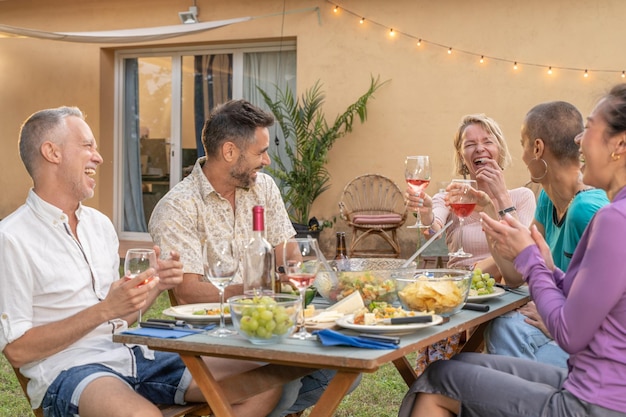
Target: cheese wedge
<point x="348" y="305"/>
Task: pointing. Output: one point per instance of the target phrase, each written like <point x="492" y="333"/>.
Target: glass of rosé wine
<point x="136" y="262"/>
<point x="301" y="261"/>
<point x="417" y="173"/>
<point x="462" y="203"/>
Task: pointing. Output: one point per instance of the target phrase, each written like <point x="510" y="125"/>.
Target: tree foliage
<point x="305" y="127"/>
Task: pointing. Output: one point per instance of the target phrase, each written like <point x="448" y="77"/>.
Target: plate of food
<point x="347" y="322"/>
<point x="197" y="313"/>
<point x="497" y="292"/>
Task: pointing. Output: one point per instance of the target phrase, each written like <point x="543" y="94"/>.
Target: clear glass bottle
<point x="259" y="273"/>
<point x="341" y="255"/>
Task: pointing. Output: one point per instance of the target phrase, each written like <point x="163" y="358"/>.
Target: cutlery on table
<point x="406" y="320"/>
<point x="178" y="323"/>
<point x="516" y="290"/>
<point x="476" y="307"/>
<point x="171" y="324"/>
<point x="380" y="338"/>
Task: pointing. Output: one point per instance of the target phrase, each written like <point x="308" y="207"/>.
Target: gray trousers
<point x="501" y="386"/>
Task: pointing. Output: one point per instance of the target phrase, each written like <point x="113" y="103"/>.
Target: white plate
<point x="497" y="292"/>
<point x="391" y="329"/>
<point x="185" y="312"/>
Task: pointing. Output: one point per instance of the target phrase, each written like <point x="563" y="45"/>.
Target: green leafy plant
<point x="304" y="125"/>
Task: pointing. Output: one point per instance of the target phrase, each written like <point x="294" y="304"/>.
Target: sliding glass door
<point x="163" y="101"/>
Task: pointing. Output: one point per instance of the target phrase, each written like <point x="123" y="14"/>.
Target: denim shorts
<point x="163" y="380"/>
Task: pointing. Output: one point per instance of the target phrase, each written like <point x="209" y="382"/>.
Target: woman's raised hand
<point x="508" y="237"/>
<point x="422" y="202"/>
<point x="490" y="178"/>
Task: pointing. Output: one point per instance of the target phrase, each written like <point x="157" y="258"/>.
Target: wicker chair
<point x="373" y="205"/>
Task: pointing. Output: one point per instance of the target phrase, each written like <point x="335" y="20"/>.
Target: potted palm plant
<point x="303" y="176"/>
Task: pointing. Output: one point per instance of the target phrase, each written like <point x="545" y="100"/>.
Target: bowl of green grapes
<point x="264" y="319"/>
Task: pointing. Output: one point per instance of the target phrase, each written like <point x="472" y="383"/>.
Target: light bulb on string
<point x="392" y="33"/>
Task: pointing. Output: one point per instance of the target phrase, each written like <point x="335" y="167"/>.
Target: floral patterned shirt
<point x="193" y="212"/>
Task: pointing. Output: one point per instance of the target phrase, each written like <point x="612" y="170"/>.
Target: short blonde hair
<point x="490" y="125"/>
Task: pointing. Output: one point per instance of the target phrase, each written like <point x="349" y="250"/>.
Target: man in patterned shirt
<point x="62" y="297"/>
<point x="215" y="203"/>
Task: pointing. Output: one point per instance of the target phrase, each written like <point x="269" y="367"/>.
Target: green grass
<point x="378" y="395"/>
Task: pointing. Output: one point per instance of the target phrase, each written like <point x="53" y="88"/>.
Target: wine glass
<point x="462" y="203"/>
<point x="136" y="262"/>
<point x="301" y="261"/>
<point x="221" y="262"/>
<point x="417" y="173"/>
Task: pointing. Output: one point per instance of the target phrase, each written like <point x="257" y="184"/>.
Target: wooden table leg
<point x="476" y="340"/>
<point x="240" y="387"/>
<point x="208" y="385"/>
<point x="334" y="393"/>
<point x="406" y="370"/>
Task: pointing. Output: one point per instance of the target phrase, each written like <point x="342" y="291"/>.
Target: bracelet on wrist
<point x="502" y="213"/>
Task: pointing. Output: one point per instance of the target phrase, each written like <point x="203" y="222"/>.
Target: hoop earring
<point x="545" y="172"/>
<point x="615" y="157"/>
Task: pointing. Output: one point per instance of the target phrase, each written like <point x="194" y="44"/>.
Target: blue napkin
<point x="330" y="337"/>
<point x="165" y="333"/>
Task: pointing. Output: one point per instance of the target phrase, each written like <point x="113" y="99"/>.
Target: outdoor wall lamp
<point x="190" y="16"/>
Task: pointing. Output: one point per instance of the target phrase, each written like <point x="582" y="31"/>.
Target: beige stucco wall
<point x="415" y="113"/>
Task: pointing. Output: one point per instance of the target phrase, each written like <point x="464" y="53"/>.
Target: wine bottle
<point x="341" y="256"/>
<point x="259" y="273"/>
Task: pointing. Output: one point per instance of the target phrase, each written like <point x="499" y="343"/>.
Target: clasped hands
<point x="509" y="238"/>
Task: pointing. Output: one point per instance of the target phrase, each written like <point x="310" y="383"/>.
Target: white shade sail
<point x="124" y="35"/>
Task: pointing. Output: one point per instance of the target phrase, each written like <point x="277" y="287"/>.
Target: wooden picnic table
<point x="295" y="358"/>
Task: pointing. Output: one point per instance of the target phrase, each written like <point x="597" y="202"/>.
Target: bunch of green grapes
<point x="482" y="284"/>
<point x="264" y="318"/>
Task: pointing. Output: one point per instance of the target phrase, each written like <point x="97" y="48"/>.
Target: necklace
<point x="555" y="216"/>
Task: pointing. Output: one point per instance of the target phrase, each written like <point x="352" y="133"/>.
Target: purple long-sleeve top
<point x="585" y="308"/>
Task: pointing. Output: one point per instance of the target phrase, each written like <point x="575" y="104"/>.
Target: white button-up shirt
<point x="47" y="275"/>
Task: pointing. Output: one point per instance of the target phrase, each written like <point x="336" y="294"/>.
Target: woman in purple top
<point x="584" y="309"/>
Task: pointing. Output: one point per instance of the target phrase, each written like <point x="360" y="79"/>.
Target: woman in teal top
<point x="563" y="235"/>
<point x="564" y="208"/>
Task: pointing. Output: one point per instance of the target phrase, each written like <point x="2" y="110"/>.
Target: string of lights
<point x="481" y="57"/>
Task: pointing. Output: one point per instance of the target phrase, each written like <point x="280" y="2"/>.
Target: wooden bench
<point x="188" y="410"/>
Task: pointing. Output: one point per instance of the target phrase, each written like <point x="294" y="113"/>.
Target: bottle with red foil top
<point x="259" y="273"/>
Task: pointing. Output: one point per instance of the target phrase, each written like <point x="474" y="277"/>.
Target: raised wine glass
<point x="221" y="262"/>
<point x="417" y="173"/>
<point x="462" y="203"/>
<point x="136" y="262"/>
<point x="301" y="261"/>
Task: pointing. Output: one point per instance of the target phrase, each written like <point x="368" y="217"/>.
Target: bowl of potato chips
<point x="435" y="291"/>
